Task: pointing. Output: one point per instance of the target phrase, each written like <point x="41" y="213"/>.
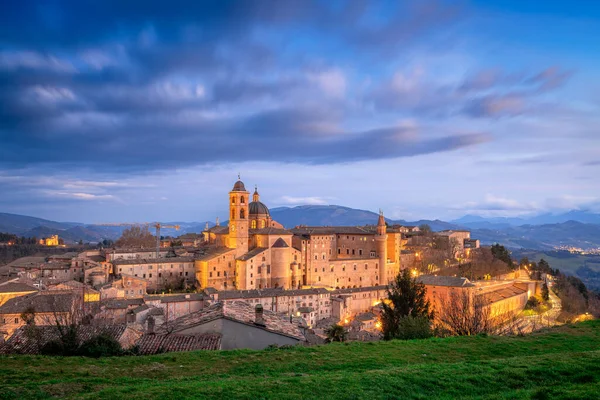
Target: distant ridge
<point x="514" y="233"/>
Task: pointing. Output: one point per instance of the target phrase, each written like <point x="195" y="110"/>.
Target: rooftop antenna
<point x="217" y="222"/>
<point x="239" y="177"/>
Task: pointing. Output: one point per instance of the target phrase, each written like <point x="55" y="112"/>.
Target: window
<point x="258" y="270"/>
<point x="366" y="266"/>
<point x="323" y="256"/>
<point x="144" y="275"/>
<point x="160" y="274"/>
<point x="181" y="273"/>
<point x="316" y="257"/>
<point x="242" y="200"/>
<point x="355" y="267"/>
<point x="339" y="250"/>
<point x="16" y="320"/>
<point x="218" y="273"/>
<point x="315" y="270"/>
<point x="347" y="251"/>
<point x="210" y="274"/>
<point x="254" y="224"/>
<point x="233" y="200"/>
<point x="242" y="213"/>
<point x="150" y="275"/>
<point x="186" y="273"/>
<point x="352" y="251"/>
<point x="360" y="252"/>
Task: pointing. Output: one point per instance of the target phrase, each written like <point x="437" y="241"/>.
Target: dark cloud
<point x="149" y="85"/>
<point x="307" y="136"/>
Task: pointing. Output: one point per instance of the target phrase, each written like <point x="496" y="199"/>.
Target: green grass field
<point x="561" y="362"/>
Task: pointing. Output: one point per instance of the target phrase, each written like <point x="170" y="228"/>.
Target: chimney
<point x="150" y="325"/>
<point x="259" y="320"/>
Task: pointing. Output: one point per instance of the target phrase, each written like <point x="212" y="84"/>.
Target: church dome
<point x="258" y="208"/>
<point x="239" y="187"/>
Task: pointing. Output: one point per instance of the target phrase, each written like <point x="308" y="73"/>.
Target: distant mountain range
<point x="543" y="232"/>
<point x="475" y="221"/>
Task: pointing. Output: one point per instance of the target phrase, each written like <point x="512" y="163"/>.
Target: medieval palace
<point x="256" y="252"/>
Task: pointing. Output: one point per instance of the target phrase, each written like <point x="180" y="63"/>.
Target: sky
<point x="148" y="110"/>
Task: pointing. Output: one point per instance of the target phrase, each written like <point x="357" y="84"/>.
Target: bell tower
<point x="238" y="218"/>
<point x="381" y="239"/>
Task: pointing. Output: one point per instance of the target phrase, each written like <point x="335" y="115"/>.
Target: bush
<point x="532" y="303"/>
<point x="410" y="327"/>
<point x="100" y="346"/>
<point x="53" y="348"/>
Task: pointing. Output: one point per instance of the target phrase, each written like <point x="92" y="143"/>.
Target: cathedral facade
<point x="256" y="252"/>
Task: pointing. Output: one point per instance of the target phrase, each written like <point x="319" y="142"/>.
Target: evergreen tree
<point x="545" y="292"/>
<point x="405" y="297"/>
<point x="501" y="253"/>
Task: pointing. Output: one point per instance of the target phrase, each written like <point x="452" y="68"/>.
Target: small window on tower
<point x="242" y="200"/>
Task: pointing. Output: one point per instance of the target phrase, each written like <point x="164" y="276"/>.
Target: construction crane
<point x="157" y="225"/>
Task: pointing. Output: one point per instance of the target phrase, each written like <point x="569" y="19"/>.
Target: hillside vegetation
<point x="561" y="362"/>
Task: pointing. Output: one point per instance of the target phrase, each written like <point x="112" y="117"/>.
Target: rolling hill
<point x="556" y="363"/>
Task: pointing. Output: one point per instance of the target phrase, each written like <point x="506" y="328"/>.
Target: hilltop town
<point x="253" y="283"/>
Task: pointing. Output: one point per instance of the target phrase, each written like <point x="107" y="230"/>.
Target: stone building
<point x="256" y="252"/>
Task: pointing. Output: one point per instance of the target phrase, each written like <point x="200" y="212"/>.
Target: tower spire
<point x="255" y="196"/>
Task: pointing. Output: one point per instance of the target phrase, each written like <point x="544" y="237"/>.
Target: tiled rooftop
<point x="17" y="287"/>
<point x="157" y="343"/>
<point x="19" y="342"/>
<point x="252" y="253"/>
<point x="42" y="302"/>
<point x="454" y="281"/>
<point x="236" y="311"/>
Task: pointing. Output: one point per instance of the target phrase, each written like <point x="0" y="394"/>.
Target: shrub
<point x="100" y="346"/>
<point x="532" y="303"/>
<point x="418" y="327"/>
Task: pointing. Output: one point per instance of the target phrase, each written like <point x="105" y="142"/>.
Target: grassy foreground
<point x="561" y="362"/>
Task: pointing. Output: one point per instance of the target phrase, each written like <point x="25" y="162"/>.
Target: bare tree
<point x="465" y="313"/>
<point x="136" y="236"/>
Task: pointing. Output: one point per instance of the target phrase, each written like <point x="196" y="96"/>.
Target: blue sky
<point x="114" y="111"/>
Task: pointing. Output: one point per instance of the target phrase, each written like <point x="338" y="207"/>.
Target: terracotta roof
<point x="270" y="292"/>
<point x="157" y="343"/>
<point x="367" y="316"/>
<point x="454" y="281"/>
<point x="503" y="293"/>
<point x="238" y="311"/>
<point x="333" y="230"/>
<point x="270" y="231"/>
<point x="19" y="342"/>
<point x="176" y="298"/>
<point x="213" y="252"/>
<point x="358" y="290"/>
<point x="17" y="287"/>
<point x="162" y="260"/>
<point x="252" y="253"/>
<point x="27" y="262"/>
<point x="42" y="302"/>
<point x="218" y="230"/>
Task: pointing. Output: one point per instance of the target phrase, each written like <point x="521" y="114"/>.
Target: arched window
<point x="242" y="200"/>
<point x="232" y="214"/>
<point x="233" y="200"/>
<point x="242" y="213"/>
<point x="262" y="223"/>
<point x="254" y="224"/>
